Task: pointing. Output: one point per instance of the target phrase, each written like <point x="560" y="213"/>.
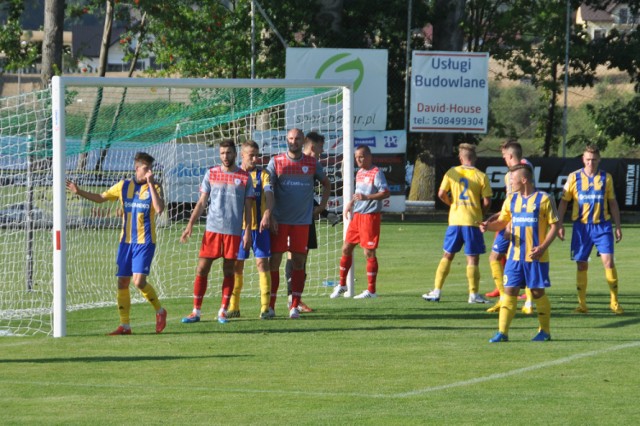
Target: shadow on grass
<point x="89" y="359"/>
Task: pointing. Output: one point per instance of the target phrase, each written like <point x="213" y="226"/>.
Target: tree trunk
<point x="52" y="43"/>
<point x="550" y="124"/>
<point x="102" y="69"/>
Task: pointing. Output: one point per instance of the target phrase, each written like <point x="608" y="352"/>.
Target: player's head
<point x="227" y="153"/>
<point x="467" y="153"/>
<point x="511" y="152"/>
<point x="250" y="153"/>
<point x="521" y="176"/>
<point x="364" y="159"/>
<point x="591" y="158"/>
<point x="295" y="141"/>
<point x="142" y="163"/>
<point x="313" y="144"/>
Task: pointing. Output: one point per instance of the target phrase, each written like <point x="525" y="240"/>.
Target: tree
<point x="18" y="53"/>
<point x="52" y="43"/>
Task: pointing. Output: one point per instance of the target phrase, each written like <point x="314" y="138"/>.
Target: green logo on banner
<point x="352" y="65"/>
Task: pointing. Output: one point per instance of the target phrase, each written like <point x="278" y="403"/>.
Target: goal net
<point x="102" y="123"/>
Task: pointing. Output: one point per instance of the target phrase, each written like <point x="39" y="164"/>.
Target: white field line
<point x="334" y="394"/>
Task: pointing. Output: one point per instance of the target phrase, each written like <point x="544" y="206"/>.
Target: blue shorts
<point x="470" y="236"/>
<point x="526" y="274"/>
<point x="134" y="259"/>
<point x="586" y="235"/>
<point x="261" y="244"/>
<point x="500" y="243"/>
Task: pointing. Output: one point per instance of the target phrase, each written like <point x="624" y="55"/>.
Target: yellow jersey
<point x="467" y="186"/>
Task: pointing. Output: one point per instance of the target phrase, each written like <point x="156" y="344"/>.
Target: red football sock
<point x="199" y="289"/>
<point x="227" y="289"/>
<point x="345" y="265"/>
<point x="372" y="273"/>
<point x="275" y="283"/>
<point x="297" y="286"/>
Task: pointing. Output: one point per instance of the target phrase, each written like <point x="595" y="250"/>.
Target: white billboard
<point x="449" y="92"/>
<point x="367" y="67"/>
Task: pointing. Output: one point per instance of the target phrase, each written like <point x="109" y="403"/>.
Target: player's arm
<point x="562" y="209"/>
<point x="494" y="225"/>
<point x="614" y="209"/>
<point x="486" y="204"/>
<point x="266" y="220"/>
<point x="248" y="208"/>
<point x="444" y="196"/>
<point x="195" y="214"/>
<point x="538" y="251"/>
<point x="156" y="198"/>
<point x="91" y="196"/>
<point x="326" y="191"/>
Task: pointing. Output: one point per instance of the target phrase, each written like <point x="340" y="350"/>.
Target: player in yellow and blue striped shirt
<point x="140" y="200"/>
<point x="534" y="224"/>
<point x="594" y="205"/>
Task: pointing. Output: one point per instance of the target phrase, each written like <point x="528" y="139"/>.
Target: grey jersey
<point x="227" y="193"/>
<point x="370" y="182"/>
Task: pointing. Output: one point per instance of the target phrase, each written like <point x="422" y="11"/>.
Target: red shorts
<point x="364" y="229"/>
<point x="216" y="245"/>
<point x="293" y="238"/>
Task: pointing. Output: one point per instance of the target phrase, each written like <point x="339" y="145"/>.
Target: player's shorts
<point x="215" y="245"/>
<point x="364" y="229"/>
<point x="313" y="236"/>
<point x="470" y="236"/>
<point x="293" y="238"/>
<point x="500" y="243"/>
<point x="260" y="243"/>
<point x="134" y="259"/>
<point x="526" y="274"/>
<point x="586" y="235"/>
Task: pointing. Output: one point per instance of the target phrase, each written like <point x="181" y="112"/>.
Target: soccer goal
<point x="89" y="129"/>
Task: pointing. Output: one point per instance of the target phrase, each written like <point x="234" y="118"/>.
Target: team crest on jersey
<point x="144" y="195"/>
<point x="305" y="169"/>
<point x="367" y="179"/>
<point x="237" y="181"/>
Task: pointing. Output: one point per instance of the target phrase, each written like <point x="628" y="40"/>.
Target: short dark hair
<point x="228" y="143"/>
<point x="365" y="148"/>
<point x="143" y="157"/>
<point x="514" y="147"/>
<point x="528" y="173"/>
<point x="314" y="137"/>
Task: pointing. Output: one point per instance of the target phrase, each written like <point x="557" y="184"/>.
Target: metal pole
<point x="407" y="81"/>
<point x="253" y="39"/>
<point x="566" y="80"/>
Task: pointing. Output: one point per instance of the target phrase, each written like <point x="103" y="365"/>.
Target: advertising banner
<point x="449" y="92"/>
<point x="367" y="67"/>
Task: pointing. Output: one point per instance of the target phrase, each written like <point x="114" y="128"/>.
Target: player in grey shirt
<point x="293" y="175"/>
<point x="229" y="191"/>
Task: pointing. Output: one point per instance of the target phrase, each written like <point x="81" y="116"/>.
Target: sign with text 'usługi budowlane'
<point x="449" y="92"/>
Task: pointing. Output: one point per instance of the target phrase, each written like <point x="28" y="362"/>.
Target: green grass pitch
<point x="393" y="360"/>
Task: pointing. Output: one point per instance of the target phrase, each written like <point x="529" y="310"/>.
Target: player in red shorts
<point x="364" y="229"/>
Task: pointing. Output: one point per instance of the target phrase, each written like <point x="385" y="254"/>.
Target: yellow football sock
<point x="124" y="305"/>
<point x="497" y="272"/>
<point x="441" y="273"/>
<point x="149" y="293"/>
<point x="612" y="280"/>
<point x="507" y="312"/>
<point x="543" y="307"/>
<point x="527" y="292"/>
<point x="473" y="277"/>
<point x="238" y="283"/>
<point x="265" y="290"/>
<point x="581" y="286"/>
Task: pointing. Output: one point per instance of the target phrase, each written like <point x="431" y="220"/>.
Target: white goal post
<point x="64" y="92"/>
